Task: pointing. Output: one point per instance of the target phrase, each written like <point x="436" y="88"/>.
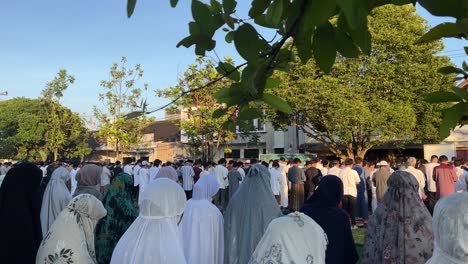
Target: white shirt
<point x="419" y="175"/>
<point x="44" y="171"/>
<point x="461" y="184"/>
<point x="187" y="177"/>
<point x="221" y="172"/>
<point x="153" y="171"/>
<point x="105" y="176"/>
<point x="143" y="180"/>
<point x="136" y="177"/>
<point x="204" y="172"/>
<point x="128" y="169"/>
<point x="275" y="179"/>
<point x="350" y="179"/>
<point x="429" y="168"/>
<point x="324" y="171"/>
<point x="334" y="171"/>
<point x="242" y="173"/>
<point x="73" y="181"/>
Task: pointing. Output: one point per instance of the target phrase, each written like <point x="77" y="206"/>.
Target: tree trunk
<point x="55" y="154"/>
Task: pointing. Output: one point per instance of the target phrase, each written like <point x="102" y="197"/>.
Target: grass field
<point x="358" y="235"/>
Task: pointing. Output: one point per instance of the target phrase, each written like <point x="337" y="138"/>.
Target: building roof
<point x="164" y="130"/>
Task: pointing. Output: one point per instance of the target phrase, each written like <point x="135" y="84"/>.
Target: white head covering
<point x="295" y="238"/>
<point x="202" y="225"/>
<point x="70" y="239"/>
<point x="450" y="227"/>
<point x="55" y="199"/>
<point x="154" y="236"/>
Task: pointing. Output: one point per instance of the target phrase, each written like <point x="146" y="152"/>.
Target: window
<point x="257" y="126"/>
<point x="235" y="154"/>
<point x="279" y="150"/>
<point x="251" y="153"/>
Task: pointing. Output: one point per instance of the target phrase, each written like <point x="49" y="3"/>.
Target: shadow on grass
<point x="359" y="235"/>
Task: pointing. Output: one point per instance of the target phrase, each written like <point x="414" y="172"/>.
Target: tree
<point x="121" y="96"/>
<point x="305" y="24"/>
<point x="204" y="133"/>
<point x="23" y="132"/>
<point x="373" y="99"/>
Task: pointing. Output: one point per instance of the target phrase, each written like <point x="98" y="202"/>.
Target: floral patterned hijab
<point x="70" y="239"/>
<point x="400" y="230"/>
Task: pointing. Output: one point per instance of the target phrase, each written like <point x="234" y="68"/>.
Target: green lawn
<point x="358" y="235"/>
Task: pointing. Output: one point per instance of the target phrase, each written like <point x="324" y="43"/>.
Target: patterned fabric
<point x="295" y="238"/>
<point x="400" y="230"/>
<point x="121" y="212"/>
<point x="70" y="239"/>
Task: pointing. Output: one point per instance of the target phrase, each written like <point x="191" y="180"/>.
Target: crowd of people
<point x="233" y="212"/>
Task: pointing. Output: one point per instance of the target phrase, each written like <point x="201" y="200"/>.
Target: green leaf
<point x="355" y="13"/>
<point x="451" y="118"/>
<point x="462" y="25"/>
<point x="229" y="36"/>
<point x="222" y="95"/>
<point x="186" y="42"/>
<point x="440" y="31"/>
<point x="247" y="43"/>
<point x="277" y="103"/>
<point x="202" y="15"/>
<point x="258" y="7"/>
<point x="345" y="45"/>
<point x="442" y="97"/>
<point x="324" y="47"/>
<point x="465" y="66"/>
<point x="219" y="112"/>
<point x="318" y="12"/>
<point x="229" y="20"/>
<point x="466" y="50"/>
<point x="274" y="13"/>
<point x="362" y="38"/>
<point x="262" y="21"/>
<point x="229" y="6"/>
<point x="452" y="8"/>
<point x="272" y="83"/>
<point x="248" y="113"/>
<point x="460" y="91"/>
<point x="130" y="7"/>
<point x="216" y="7"/>
<point x="174" y="3"/>
<point x="450" y="70"/>
<point x="133" y="115"/>
<point x="228" y="70"/>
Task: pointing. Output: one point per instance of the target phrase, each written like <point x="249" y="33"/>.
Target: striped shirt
<point x="187" y="177"/>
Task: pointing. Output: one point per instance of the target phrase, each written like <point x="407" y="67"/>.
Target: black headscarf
<point x="323" y="208"/>
<point x="20" y="207"/>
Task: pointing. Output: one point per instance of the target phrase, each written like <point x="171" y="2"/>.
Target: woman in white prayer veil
<point x="56" y="198"/>
<point x="202" y="225"/>
<point x="450" y="227"/>
<point x="248" y="215"/>
<point x="295" y="238"/>
<point x="154" y="236"/>
<point x="70" y="239"/>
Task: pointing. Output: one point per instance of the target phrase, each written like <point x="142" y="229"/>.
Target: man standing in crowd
<point x="430" y="183"/>
<point x="350" y="179"/>
<point x="247" y="167"/>
<point x="143" y="178"/>
<point x="221" y="173"/>
<point x="297" y="178"/>
<point x="73" y="172"/>
<point x="445" y="177"/>
<point x="128" y="168"/>
<point x="313" y="175"/>
<point x="136" y="170"/>
<point x="335" y="169"/>
<point x="234" y="177"/>
<point x="361" y="209"/>
<point x="117" y="169"/>
<point x="153" y="171"/>
<point x="187" y="178"/>
<point x="462" y="184"/>
<point x="206" y="168"/>
<point x="105" y="178"/>
<point x="197" y="170"/>
<point x="411" y="163"/>
<point x="380" y="179"/>
<point x="240" y="169"/>
<point x="324" y="170"/>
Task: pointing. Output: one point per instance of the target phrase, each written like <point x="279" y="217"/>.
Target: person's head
<point x="240" y="163"/>
<point x="443" y="159"/>
<point x="197" y="163"/>
<point x="383" y="165"/>
<point x="264" y="163"/>
<point x="450" y="226"/>
<point x="457" y="163"/>
<point x="336" y="163"/>
<point x="297" y="161"/>
<point x="314" y="162"/>
<point x="359" y="161"/>
<point x="253" y="161"/>
<point x="222" y="161"/>
<point x="205" y="188"/>
<point x="235" y="165"/>
<point x="168" y="163"/>
<point x="282" y="160"/>
<point x="270" y="162"/>
<point x="349" y="162"/>
<point x="275" y="164"/>
<point x="434" y="159"/>
<point x="325" y="163"/>
<point x="206" y="165"/>
<point x="308" y="163"/>
<point x="411" y="161"/>
<point x="157" y="162"/>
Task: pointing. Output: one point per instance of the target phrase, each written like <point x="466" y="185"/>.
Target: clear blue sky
<point x="85" y="37"/>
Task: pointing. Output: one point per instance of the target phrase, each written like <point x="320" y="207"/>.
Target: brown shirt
<point x="380" y="178"/>
<point x="445" y="178"/>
